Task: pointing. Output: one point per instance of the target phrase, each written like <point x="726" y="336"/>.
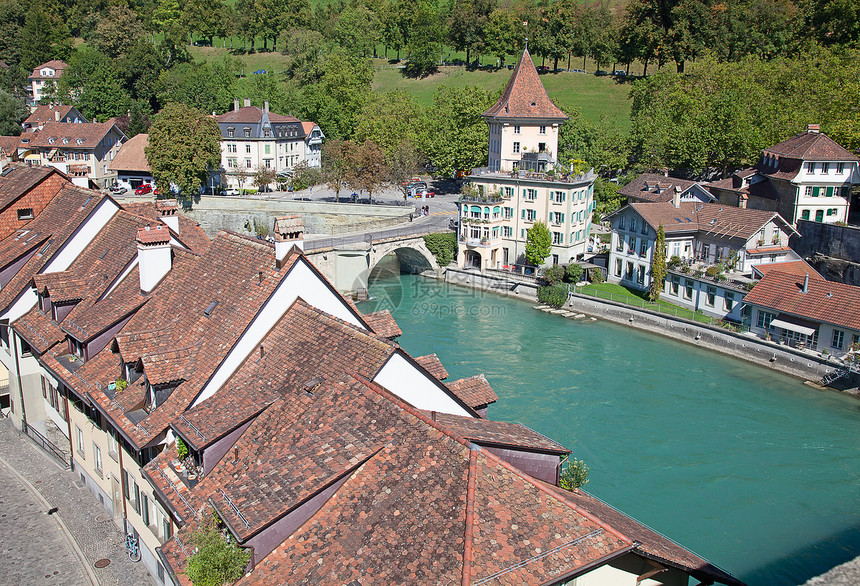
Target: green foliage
<point x="184" y="146"/>
<point x="215" y="561"/>
<point x="606" y="197"/>
<point x="181" y="448"/>
<point x="574" y="272"/>
<point x="337" y="101"/>
<point x="459" y="134"/>
<point x="538" y="243"/>
<point x="44" y="37"/>
<point x="596" y="275"/>
<point x="423" y="45"/>
<point x="12" y="113"/>
<point x="602" y="144"/>
<point x="658" y="265"/>
<point x="714" y="270"/>
<point x="205" y="87"/>
<point x="674" y="262"/>
<point x="389" y="118"/>
<point x="443" y="246"/>
<point x="121" y="384"/>
<point x="304" y="176"/>
<point x="554" y="274"/>
<point x="553" y="295"/>
<point x="574" y="474"/>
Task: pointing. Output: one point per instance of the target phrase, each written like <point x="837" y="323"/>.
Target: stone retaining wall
<point x="499" y="285"/>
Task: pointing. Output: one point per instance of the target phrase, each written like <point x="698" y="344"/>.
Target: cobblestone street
<point x="37" y="548"/>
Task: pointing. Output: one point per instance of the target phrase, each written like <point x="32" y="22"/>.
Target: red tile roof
<point x="714" y="218"/>
<point x="131" y="155"/>
<point x="382" y="323"/>
<point x="190" y="232"/>
<point x="824" y="301"/>
<point x="474" y="391"/>
<point x="796" y="267"/>
<point x="48" y="113"/>
<point x="153" y="235"/>
<point x="433" y="365"/>
<point x="811" y="146"/>
<point x="55" y="64"/>
<point x="53" y="133"/>
<point x="499" y="433"/>
<point x="647" y="185"/>
<point x="525" y="96"/>
<point x="252" y="115"/>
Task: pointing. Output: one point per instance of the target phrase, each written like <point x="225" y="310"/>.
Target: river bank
<point x="809" y="368"/>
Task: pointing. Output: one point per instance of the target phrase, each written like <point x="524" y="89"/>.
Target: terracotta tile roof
<point x="825" y="301"/>
<point x="432" y="364"/>
<point x="796" y="267"/>
<point x="58" y="221"/>
<point x="131" y="156"/>
<point x="158" y="234"/>
<point x="382" y="323"/>
<point x="55" y="64"/>
<point x="190" y="232"/>
<point x="19" y="179"/>
<point x="474" y="391"/>
<point x="39" y="330"/>
<point x="89" y="134"/>
<point x="9" y="145"/>
<point x="251" y="115"/>
<point x="768" y="250"/>
<point x="811" y="146"/>
<point x="43" y="114"/>
<point x="714" y="218"/>
<point x="525" y="96"/>
<point x="786" y="169"/>
<point x="499" y="433"/>
<point x="649" y="543"/>
<point x="307" y="127"/>
<point x="647" y="185"/>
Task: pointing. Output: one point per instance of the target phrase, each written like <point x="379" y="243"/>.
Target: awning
<point x="785" y="323"/>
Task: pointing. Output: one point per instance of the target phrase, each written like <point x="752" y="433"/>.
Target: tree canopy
<point x="184" y="147"/>
<point x="538" y="243"/>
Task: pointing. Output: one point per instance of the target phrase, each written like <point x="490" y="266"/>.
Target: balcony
<point x="481" y="199"/>
<point x="479" y="242"/>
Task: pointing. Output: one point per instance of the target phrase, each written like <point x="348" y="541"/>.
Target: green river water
<point x="749" y="468"/>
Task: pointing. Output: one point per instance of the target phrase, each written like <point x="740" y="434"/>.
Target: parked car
<point x="118" y="190"/>
<point x="600" y="72"/>
<point x="619" y="73"/>
<point x="578" y="71"/>
<point x="230" y="191"/>
<point x="143" y="189"/>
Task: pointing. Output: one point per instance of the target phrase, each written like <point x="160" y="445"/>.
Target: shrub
<point x="121" y="385"/>
<point x="714" y="270"/>
<point x="443" y="246"/>
<point x="215" y="562"/>
<point x="573" y="474"/>
<point x="674" y="261"/>
<point x="553" y="295"/>
<point x="181" y="449"/>
<point x="574" y="273"/>
<point x="596" y="275"/>
<point x="554" y="274"/>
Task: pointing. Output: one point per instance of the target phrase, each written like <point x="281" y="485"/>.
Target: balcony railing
<point x="479" y="242"/>
<point x="476" y="198"/>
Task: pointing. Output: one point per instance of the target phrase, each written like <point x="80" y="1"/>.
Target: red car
<point x="143" y="189"/>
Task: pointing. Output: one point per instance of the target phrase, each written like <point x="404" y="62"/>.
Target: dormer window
<point x="230" y="132"/>
<point x="80" y="141"/>
<point x="51" y="140"/>
<point x="65" y="141"/>
<point x="76" y="348"/>
<point x="825" y="168"/>
<point x="247" y="132"/>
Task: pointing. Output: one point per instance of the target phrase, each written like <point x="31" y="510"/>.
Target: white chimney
<point x="266" y="106"/>
<point x="247" y="102"/>
<point x="154" y="257"/>
<point x="168" y="212"/>
<point x="288" y="232"/>
<point x="813" y="128"/>
<point x="235" y="104"/>
<point x="676" y="197"/>
<point x="57" y="114"/>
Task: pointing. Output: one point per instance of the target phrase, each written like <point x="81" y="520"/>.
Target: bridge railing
<point x="368" y="238"/>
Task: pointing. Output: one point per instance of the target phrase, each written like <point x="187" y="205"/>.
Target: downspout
<point x="13" y="343"/>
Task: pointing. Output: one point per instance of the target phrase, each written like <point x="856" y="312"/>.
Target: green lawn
<point x="632" y="297"/>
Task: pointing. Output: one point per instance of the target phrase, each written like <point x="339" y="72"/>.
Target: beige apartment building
<point x="523" y="182"/>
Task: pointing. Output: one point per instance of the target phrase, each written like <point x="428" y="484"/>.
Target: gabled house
<point x="43" y="80"/>
<point x="24" y="193"/>
<point x="82" y="151"/>
<point x="522" y="183"/>
<point x="806" y="177"/>
<point x="651" y="187"/>
<point x="699" y="237"/>
<point x="52" y="113"/>
<point x="130" y="164"/>
<point x="313" y="144"/>
<point x="806" y="311"/>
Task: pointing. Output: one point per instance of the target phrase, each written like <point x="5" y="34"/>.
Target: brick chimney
<point x="813" y="128"/>
<point x="154" y="257"/>
<point x="288" y="232"/>
<point x="168" y="212"/>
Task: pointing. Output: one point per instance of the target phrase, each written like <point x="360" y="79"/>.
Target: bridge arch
<point x="413" y="256"/>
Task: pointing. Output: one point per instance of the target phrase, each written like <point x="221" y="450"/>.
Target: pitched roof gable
<point x="811" y="146"/>
<point x="88" y="133"/>
<point x="131" y="155"/>
<point x="525" y="96"/>
<point x="720" y="220"/>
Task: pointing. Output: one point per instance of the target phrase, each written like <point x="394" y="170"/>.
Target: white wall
<point x="300" y="282"/>
<point x="403" y="379"/>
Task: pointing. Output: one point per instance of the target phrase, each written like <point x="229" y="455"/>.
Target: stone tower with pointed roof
<point x="523" y="123"/>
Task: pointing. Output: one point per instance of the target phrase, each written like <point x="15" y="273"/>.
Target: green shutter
<point x="815" y="191"/>
<point x="524" y="214"/>
<point x="830" y="191"/>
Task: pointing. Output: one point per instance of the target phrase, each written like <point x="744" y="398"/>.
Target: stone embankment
<point x="739" y="345"/>
<point x="847" y="574"/>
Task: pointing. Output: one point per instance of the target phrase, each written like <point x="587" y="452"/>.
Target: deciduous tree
<point x="184" y="147"/>
<point x="658" y="265"/>
<point x="335" y="164"/>
<point x="366" y="169"/>
<point x="538" y="243"/>
<point x="459" y="137"/>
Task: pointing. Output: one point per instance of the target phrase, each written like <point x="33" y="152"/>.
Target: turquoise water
<point x="750" y="469"/>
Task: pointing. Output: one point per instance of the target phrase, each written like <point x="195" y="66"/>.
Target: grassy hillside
<point x="593" y="96"/>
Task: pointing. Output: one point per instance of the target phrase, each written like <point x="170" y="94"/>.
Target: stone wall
<point x="834" y="251"/>
<point x="237" y="214"/>
<point x="501" y="285"/>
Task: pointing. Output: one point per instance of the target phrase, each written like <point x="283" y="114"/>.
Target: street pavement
<point x="61" y="548"/>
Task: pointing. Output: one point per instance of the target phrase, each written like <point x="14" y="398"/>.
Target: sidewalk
<point x="85" y="521"/>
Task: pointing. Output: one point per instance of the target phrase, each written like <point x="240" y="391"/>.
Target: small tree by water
<point x="574" y="474"/>
<point x="553" y="295"/>
<point x="658" y="265"/>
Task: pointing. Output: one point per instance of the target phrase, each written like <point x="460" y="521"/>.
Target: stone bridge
<point x="348" y="261"/>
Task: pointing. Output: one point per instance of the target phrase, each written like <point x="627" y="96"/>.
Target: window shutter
<point x="815" y="191"/>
